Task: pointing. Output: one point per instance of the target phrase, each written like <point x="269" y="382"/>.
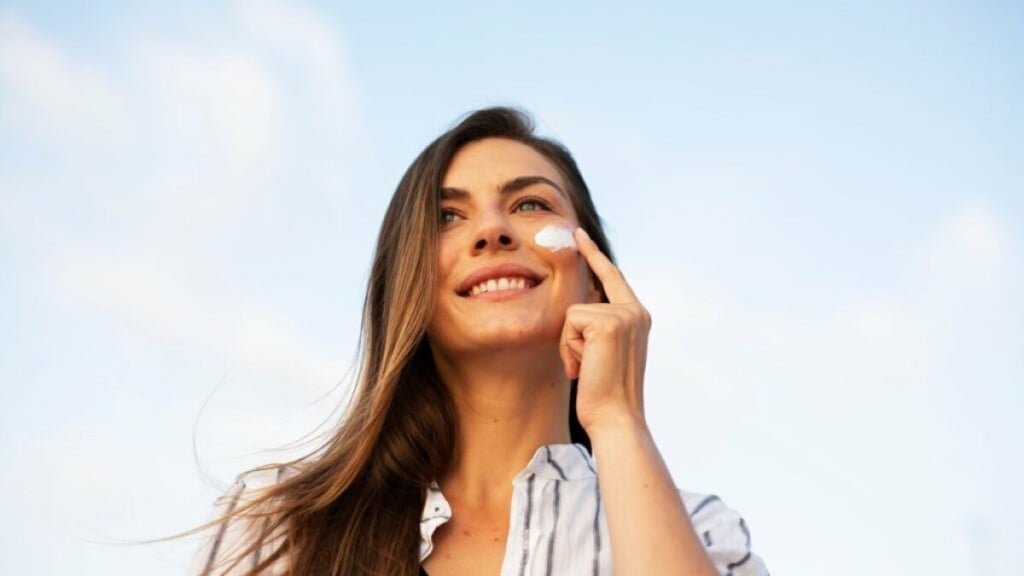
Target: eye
<point x="531" y="204"/>
<point x="447" y="216"/>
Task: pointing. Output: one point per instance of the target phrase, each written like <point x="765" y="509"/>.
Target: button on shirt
<point x="557" y="524"/>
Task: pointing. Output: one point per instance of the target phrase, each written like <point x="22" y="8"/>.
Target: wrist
<point x="616" y="426"/>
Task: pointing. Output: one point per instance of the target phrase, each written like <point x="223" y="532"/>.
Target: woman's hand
<point x="604" y="345"/>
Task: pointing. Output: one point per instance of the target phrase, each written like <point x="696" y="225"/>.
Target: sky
<point x="821" y="204"/>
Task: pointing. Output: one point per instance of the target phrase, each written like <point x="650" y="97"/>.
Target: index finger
<point x="614" y="283"/>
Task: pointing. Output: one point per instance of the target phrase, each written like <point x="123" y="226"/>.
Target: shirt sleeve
<point x="725" y="536"/>
<point x="226" y="541"/>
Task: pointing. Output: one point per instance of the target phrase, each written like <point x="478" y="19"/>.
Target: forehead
<point x="488" y="163"/>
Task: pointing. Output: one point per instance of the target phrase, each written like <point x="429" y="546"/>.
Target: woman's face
<point x="498" y="289"/>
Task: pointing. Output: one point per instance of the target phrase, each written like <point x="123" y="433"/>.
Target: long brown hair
<point x="354" y="505"/>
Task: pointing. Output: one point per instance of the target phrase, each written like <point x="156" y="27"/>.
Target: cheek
<point x="445" y="260"/>
<point x="575" y="276"/>
<point x="583" y="281"/>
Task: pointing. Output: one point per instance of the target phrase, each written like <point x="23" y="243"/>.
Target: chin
<point x="515" y="339"/>
<point x="464" y="333"/>
<point x="504" y="339"/>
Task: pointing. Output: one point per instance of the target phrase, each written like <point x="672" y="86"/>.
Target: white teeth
<point x="499" y="284"/>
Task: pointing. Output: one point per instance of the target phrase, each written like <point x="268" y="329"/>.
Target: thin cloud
<point x="51" y="96"/>
<point x="175" y="171"/>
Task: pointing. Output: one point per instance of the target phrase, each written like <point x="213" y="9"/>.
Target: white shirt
<point x="556" y="524"/>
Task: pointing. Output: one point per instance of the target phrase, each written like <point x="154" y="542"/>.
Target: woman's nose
<point x="495" y="233"/>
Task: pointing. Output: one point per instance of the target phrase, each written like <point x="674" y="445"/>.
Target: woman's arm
<point x="650" y="528"/>
<point x="604" y="345"/>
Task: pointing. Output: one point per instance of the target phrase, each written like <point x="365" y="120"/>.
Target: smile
<point x="501" y="285"/>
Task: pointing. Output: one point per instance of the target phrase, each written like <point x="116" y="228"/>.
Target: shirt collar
<point x="562" y="462"/>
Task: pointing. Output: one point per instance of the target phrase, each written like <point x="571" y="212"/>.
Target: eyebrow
<point x="513" y="185"/>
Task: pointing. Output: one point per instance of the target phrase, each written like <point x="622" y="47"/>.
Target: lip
<point x="495" y="272"/>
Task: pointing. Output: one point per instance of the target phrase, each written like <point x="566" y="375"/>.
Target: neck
<point x="508" y="405"/>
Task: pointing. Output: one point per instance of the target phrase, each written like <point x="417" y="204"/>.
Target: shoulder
<point x="724" y="533"/>
<point x="247" y="536"/>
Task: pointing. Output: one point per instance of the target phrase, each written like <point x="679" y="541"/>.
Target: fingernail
<point x="584" y="233"/>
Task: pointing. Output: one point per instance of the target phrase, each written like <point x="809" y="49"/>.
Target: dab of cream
<point x="555" y="238"/>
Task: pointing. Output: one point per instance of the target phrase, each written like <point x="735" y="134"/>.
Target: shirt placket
<point x="519" y="549"/>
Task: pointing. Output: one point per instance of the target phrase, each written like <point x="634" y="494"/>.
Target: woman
<point x="502" y="375"/>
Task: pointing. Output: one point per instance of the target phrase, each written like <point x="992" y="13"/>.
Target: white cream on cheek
<point x="555" y="238"/>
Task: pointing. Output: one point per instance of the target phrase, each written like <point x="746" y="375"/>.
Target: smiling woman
<point x="495" y="196"/>
<point x="498" y="426"/>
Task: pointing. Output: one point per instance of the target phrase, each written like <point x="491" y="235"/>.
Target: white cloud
<point x="297" y="33"/>
<point x="970" y="276"/>
<point x="204" y="142"/>
<point x="222" y="99"/>
<point x="169" y="163"/>
<point x="54" y="97"/>
<point x="876" y="322"/>
<point x="311" y="47"/>
<point x="978" y="231"/>
<point x="201" y="130"/>
<point x="973" y="236"/>
<point x="894" y="386"/>
<point x="165" y="309"/>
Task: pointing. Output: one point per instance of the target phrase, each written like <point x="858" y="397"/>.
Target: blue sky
<point x="822" y="205"/>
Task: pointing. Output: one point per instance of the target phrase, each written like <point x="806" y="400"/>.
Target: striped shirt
<point x="556" y="524"/>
